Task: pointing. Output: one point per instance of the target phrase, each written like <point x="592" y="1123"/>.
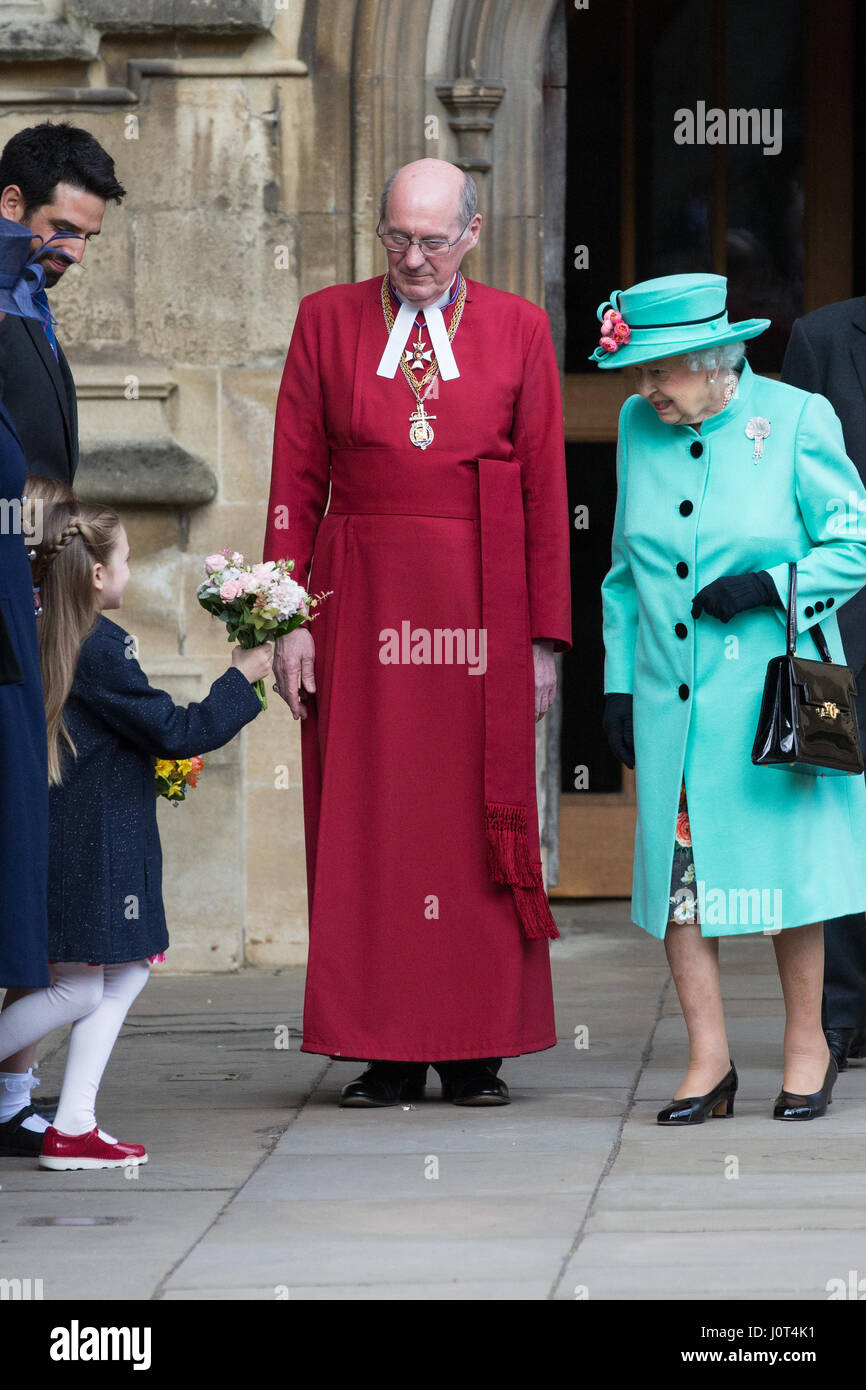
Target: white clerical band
<point x="399" y="336"/>
<point x="397" y="340"/>
<point x="439" y="341"/>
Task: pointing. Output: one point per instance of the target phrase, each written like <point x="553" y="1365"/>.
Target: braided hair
<point x="43" y="558"/>
<point x="74" y="536"/>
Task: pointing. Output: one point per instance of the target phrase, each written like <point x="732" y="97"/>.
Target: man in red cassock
<point x="429" y="406"/>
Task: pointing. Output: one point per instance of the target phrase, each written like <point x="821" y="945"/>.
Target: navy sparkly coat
<point x="23" y="764"/>
<point x="105" y="862"/>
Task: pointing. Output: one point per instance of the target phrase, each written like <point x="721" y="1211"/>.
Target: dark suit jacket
<point x="827" y="353"/>
<point x="105" y="862"/>
<point x="10" y="667"/>
<point x="38" y="392"/>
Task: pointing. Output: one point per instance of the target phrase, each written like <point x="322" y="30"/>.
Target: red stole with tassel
<point x="513" y="849"/>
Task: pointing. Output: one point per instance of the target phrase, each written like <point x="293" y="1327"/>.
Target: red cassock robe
<point x="428" y="930"/>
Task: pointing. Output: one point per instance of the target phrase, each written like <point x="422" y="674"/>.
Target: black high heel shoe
<point x="790" y="1106"/>
<point x="693" y="1110"/>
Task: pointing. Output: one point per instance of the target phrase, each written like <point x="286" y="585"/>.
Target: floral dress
<point x="683" y="895"/>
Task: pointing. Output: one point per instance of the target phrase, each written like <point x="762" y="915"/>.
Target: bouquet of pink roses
<point x="256" y="602"/>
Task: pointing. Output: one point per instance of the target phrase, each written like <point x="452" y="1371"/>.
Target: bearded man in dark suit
<point x="827" y="353"/>
<point x="56" y="179"/>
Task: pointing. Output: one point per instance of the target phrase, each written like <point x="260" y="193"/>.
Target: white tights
<point x="95" y="999"/>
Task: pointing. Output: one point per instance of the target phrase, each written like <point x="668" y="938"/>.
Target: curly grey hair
<point x="715" y="359"/>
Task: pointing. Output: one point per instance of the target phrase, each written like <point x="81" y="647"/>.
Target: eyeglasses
<point x="428" y="245"/>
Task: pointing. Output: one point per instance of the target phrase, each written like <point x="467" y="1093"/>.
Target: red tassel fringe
<point x="533" y="909"/>
<point x="509" y="862"/>
<point x="507" y="848"/>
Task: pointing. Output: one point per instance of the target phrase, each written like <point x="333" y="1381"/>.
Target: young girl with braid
<point x="105" y="726"/>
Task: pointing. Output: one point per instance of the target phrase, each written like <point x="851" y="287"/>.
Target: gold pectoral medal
<point x="420" y="430"/>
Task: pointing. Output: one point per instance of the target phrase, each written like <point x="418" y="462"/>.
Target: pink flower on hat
<point x="615" y="332"/>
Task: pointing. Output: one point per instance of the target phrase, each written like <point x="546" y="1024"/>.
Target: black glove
<point x="617" y="725"/>
<point x="733" y="594"/>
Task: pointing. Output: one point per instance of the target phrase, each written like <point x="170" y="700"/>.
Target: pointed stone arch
<point x="477" y="66"/>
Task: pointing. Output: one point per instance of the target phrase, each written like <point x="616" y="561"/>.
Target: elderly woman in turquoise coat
<point x="724" y="477"/>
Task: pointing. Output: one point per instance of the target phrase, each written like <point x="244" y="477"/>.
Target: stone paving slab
<point x="723" y="1220"/>
<point x="245" y="1241"/>
<point x="457" y="1291"/>
<point x="695" y="1264"/>
<point x="545" y="1122"/>
<point x="399" y="1177"/>
<point x="423" y="1212"/>
<point x="643" y="1155"/>
<point x="149" y="1232"/>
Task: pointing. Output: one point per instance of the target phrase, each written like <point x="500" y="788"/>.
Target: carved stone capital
<point x="471" y="106"/>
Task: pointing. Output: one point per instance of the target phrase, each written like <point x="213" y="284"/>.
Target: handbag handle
<point x="791" y="622"/>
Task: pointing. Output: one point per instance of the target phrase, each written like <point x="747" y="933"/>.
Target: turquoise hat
<point x="668" y="316"/>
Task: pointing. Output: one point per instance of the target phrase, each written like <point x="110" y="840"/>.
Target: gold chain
<point x="418" y="386"/>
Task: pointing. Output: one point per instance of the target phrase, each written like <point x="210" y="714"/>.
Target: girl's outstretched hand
<point x="254" y="662"/>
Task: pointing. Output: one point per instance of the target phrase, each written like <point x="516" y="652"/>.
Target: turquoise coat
<point x="772" y="849"/>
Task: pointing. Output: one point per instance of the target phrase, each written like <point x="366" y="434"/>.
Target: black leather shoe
<point x="693" y="1110"/>
<point x="839" y="1041"/>
<point x="473" y="1082"/>
<point x="790" y="1106"/>
<point x="386" y="1083"/>
<point x="15" y="1141"/>
<point x="857" y="1046"/>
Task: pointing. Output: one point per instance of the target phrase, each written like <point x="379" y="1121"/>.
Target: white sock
<point x="15" y="1088"/>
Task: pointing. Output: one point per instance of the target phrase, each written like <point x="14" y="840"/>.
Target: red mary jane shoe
<point x="62" y="1151"/>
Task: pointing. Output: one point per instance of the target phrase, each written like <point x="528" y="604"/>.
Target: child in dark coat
<point x="106" y="725"/>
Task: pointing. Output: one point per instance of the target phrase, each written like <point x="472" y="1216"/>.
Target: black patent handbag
<point x="808" y="722"/>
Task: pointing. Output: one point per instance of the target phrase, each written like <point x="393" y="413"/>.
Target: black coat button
<point x="696" y="450"/>
<point x="682" y="569"/>
<point x="684" y="692"/>
<point x="819" y="607"/>
<point x="681" y="630"/>
<point x="830" y="602"/>
<point x="686" y="508"/>
<point x="809" y="611"/>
